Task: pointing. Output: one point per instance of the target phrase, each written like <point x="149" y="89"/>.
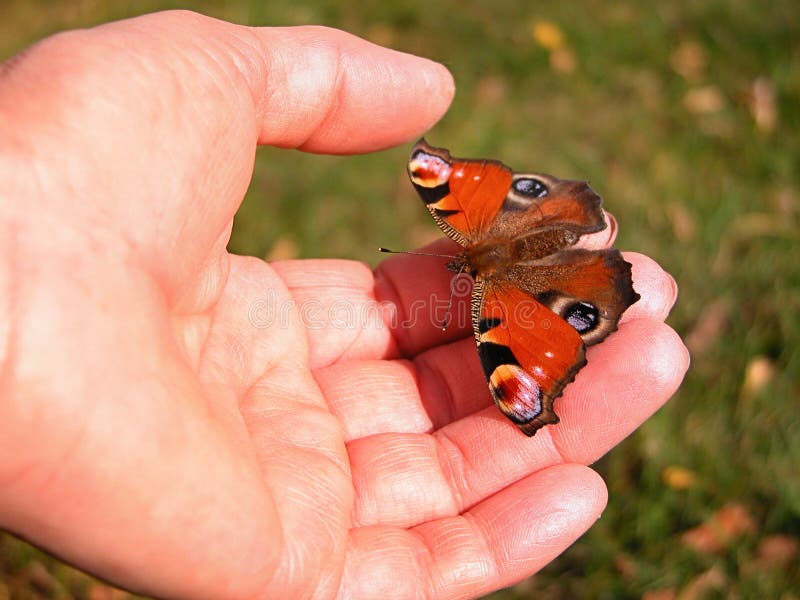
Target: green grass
<point x="658" y="115"/>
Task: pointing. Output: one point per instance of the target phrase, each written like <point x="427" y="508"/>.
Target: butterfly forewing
<point x="464" y="196"/>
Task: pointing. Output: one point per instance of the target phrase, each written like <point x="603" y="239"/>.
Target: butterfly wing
<point x="537" y="303"/>
<point x="532" y="326"/>
<point x="589" y="289"/>
<point x="528" y="353"/>
<point x="464" y="196"/>
<point x="472" y="200"/>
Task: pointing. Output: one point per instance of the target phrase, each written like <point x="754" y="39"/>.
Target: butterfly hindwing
<point x="590" y="289"/>
<point x="527" y="352"/>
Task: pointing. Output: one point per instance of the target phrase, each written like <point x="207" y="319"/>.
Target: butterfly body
<point x="537" y="302"/>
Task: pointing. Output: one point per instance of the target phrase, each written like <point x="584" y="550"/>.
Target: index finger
<point x="162" y="114"/>
<point x="313" y="88"/>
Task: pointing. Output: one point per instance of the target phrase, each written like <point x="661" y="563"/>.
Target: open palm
<point x="189" y="423"/>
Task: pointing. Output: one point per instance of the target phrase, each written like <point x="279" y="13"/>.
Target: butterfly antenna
<point x="387" y="251"/>
<point x="448" y="313"/>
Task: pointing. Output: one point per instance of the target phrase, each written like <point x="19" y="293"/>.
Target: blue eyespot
<point x="582" y="316"/>
<point x="529" y="187"/>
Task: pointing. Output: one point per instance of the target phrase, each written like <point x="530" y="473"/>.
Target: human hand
<point x="154" y="430"/>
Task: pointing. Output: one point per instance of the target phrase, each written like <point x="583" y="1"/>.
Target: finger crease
<point x="400" y="317"/>
<point x="442" y="396"/>
<point x="453" y="464"/>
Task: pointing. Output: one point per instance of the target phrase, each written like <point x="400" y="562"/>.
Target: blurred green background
<point x="684" y="115"/>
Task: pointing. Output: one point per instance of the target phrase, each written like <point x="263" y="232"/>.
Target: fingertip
<point x="602" y="239"/>
<point x="571" y="497"/>
<point x="544" y="513"/>
<point x="658" y="290"/>
<point x="670" y="358"/>
<point x="597" y="487"/>
<point x="628" y="377"/>
<point x="648" y="352"/>
<point x="585" y="487"/>
<point x="329" y="91"/>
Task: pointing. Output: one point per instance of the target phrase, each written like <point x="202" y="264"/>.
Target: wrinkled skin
<point x="158" y="428"/>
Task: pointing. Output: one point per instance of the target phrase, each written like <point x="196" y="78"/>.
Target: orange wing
<point x="590" y="289"/>
<point x="536" y="202"/>
<point x="473" y="199"/>
<point x="464" y="196"/>
<point x="528" y="353"/>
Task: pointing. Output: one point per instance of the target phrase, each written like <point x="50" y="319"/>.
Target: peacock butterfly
<point x="536" y="302"/>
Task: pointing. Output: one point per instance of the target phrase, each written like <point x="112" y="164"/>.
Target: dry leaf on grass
<point x="757" y="374"/>
<point x="762" y="105"/>
<point x="708" y="328"/>
<point x="563" y="60"/>
<point x="704" y="100"/>
<point x="285" y="248"/>
<point x="777" y="551"/>
<point x="679" y="478"/>
<point x="701" y="586"/>
<point x="689" y="60"/>
<point x="720" y="531"/>
<point x="547" y="35"/>
<point x="490" y="90"/>
<point x="626" y="566"/>
<point x="101" y="591"/>
<point x="662" y="594"/>
<point x="683" y="224"/>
